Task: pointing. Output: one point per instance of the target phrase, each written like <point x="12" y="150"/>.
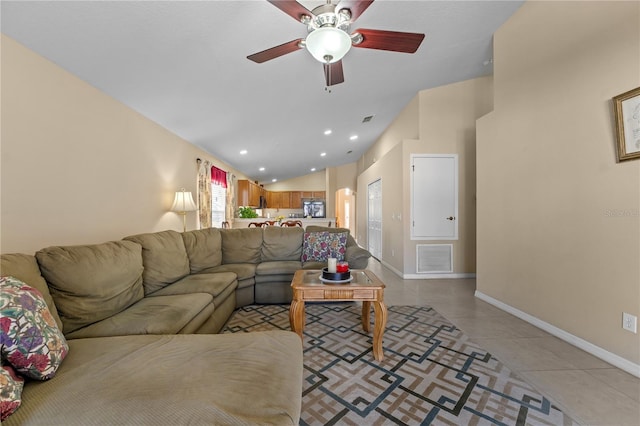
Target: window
<point x="218" y="196"/>
<point x="218" y="204"/>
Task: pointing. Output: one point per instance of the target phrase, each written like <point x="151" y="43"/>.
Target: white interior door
<point x="434" y="197"/>
<point x="374" y="218"/>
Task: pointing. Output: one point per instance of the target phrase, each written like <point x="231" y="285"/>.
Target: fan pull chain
<point x="328" y="59"/>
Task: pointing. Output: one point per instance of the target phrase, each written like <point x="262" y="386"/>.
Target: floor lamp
<point x="183" y="203"/>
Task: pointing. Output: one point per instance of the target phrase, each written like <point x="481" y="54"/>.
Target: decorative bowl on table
<point x="335" y="276"/>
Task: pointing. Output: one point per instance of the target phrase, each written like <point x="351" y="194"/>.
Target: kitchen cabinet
<point x="278" y="199"/>
<point x="296" y="199"/>
<point x="316" y="195"/>
<point x="249" y="193"/>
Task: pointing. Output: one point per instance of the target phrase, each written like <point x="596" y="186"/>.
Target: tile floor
<point x="590" y="390"/>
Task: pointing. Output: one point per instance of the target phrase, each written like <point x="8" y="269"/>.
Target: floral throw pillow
<point x="338" y="245"/>
<point x="10" y="391"/>
<point x="315" y="246"/>
<point x="29" y="338"/>
<point x="319" y="246"/>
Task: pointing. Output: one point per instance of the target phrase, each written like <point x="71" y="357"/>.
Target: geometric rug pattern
<point x="432" y="374"/>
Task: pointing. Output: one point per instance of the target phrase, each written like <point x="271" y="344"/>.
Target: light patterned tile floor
<point x="590" y="390"/>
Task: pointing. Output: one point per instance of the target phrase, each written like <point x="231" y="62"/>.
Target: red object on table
<point x="342" y="267"/>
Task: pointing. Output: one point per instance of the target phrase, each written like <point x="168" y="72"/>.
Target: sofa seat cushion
<point x="282" y="243"/>
<point x="316" y="265"/>
<point x="92" y="282"/>
<point x="204" y="248"/>
<point x="25" y="268"/>
<point x="243" y="271"/>
<point x="153" y="315"/>
<point x="164" y="257"/>
<point x="278" y="268"/>
<point x="242" y="245"/>
<point x="219" y="285"/>
<point x="240" y="379"/>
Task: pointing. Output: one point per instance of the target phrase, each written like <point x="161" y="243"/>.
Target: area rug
<point x="432" y="374"/>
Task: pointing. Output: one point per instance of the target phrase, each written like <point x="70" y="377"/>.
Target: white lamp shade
<point x="328" y="45"/>
<point x="183" y="202"/>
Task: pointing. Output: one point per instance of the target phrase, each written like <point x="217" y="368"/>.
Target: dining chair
<point x="292" y="223"/>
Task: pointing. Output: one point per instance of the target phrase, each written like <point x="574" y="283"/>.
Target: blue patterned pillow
<point x="29" y="338"/>
<point x="319" y="246"/>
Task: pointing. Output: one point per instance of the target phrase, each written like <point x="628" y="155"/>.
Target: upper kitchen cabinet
<point x="316" y="195"/>
<point x="249" y="193"/>
<point x="296" y="199"/>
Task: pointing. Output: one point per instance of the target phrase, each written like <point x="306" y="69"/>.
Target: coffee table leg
<point x="366" y="309"/>
<point x="297" y="317"/>
<point x="380" y="310"/>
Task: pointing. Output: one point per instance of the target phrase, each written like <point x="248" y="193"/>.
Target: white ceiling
<point x="183" y="65"/>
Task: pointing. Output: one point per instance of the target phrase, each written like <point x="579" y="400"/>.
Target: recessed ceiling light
<point x="322" y="154"/>
<point x="353" y="138"/>
<point x="243" y="152"/>
<point x="313" y="169"/>
<point x="261" y="169"/>
<point x="327" y="132"/>
<point x="274" y="180"/>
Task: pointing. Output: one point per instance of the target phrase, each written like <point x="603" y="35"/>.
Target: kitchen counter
<point x="243" y="223"/>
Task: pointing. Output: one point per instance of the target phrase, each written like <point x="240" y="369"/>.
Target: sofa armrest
<point x="357" y="257"/>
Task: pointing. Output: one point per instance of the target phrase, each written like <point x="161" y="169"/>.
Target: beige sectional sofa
<point x="140" y="315"/>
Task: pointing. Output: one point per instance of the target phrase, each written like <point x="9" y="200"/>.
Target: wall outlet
<point x="629" y="322"/>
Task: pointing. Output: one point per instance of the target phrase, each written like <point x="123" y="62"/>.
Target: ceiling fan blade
<point x="333" y="73"/>
<point x="274" y="52"/>
<point x="394" y="41"/>
<point x="355" y="6"/>
<point x="292" y="8"/>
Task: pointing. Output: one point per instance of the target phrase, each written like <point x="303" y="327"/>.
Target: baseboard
<point x="437" y="276"/>
<point x="611" y="358"/>
<point x="425" y="276"/>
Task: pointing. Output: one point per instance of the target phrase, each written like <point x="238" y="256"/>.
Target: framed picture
<point x="626" y="109"/>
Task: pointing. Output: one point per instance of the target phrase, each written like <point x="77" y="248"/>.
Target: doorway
<point x="374" y="218"/>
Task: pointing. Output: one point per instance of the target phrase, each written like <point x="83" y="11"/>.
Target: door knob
<point x="451" y="218"/>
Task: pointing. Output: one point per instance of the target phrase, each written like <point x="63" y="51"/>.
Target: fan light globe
<point x="328" y="45"/>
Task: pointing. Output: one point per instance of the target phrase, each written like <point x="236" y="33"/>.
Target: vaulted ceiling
<point x="183" y="65"/>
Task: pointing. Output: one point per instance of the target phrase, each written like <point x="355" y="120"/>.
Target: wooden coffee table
<point x="365" y="287"/>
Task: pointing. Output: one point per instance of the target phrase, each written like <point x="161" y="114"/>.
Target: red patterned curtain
<point x="218" y="177"/>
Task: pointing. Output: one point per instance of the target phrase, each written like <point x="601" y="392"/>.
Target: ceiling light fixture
<point x="313" y="169"/>
<point x="243" y="152"/>
<point x="274" y="180"/>
<point x="327" y="132"/>
<point x="353" y="138"/>
<point x="322" y="154"/>
<point x="328" y="39"/>
<point x="261" y="169"/>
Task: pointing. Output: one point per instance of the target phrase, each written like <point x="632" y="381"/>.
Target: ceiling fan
<point x="329" y="39"/>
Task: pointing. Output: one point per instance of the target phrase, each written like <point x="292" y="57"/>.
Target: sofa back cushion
<point x="282" y="243"/>
<point x="204" y="248"/>
<point x="93" y="282"/>
<point x="242" y="245"/>
<point x="164" y="257"/>
<point x="25" y="268"/>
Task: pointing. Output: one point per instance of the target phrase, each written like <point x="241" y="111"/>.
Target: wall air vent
<point x="434" y="258"/>
<point x="367" y="119"/>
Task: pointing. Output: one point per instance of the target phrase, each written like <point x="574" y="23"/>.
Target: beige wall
<point x="558" y="218"/>
<point x="311" y="182"/>
<point x="404" y="126"/>
<point x="446" y="118"/>
<point x="79" y="167"/>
